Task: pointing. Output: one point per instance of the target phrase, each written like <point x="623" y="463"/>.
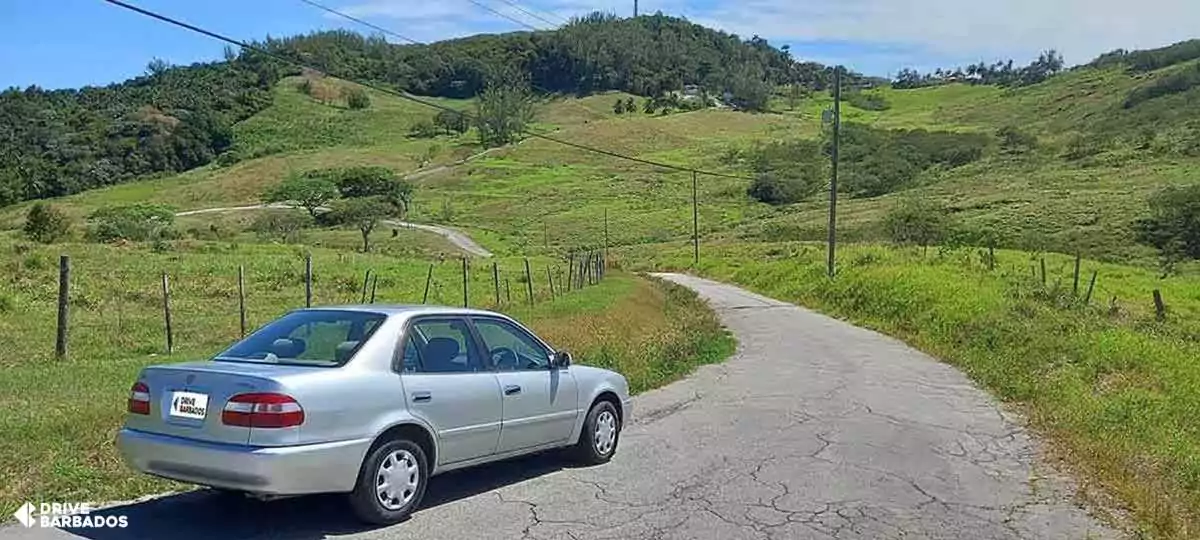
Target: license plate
<point x="189" y="405"/>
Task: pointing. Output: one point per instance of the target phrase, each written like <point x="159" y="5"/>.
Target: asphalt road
<point x="815" y="430"/>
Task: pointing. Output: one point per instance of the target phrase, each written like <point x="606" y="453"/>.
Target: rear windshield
<point x="318" y="338"/>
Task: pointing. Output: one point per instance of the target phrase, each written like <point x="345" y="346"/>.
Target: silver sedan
<point x="370" y="401"/>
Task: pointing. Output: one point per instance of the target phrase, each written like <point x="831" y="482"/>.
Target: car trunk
<point x="186" y="400"/>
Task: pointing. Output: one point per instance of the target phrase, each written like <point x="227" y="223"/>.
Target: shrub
<point x="868" y="101"/>
<point x="1015" y="141"/>
<point x="779" y="190"/>
<point x="452" y="122"/>
<point x="136" y="222"/>
<point x="357" y="99"/>
<point x="46" y="224"/>
<point x="1173" y="226"/>
<point x="918" y="221"/>
<point x="423" y="129"/>
<point x="1175" y="83"/>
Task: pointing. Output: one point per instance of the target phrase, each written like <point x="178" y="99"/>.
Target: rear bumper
<point x="287" y="470"/>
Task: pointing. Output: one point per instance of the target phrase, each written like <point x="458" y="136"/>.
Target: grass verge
<point x="1114" y="391"/>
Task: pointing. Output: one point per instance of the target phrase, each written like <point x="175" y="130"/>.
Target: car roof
<point x="406" y="310"/>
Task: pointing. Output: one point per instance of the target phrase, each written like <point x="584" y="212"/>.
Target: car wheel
<point x="391" y="483"/>
<point x="601" y="432"/>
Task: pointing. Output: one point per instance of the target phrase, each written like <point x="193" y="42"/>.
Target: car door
<point x="449" y="385"/>
<point x="540" y="403"/>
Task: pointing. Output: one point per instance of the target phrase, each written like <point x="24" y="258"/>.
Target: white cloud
<point x="958" y="30"/>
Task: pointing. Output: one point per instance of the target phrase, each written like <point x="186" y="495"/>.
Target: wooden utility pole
<point x="833" y="181"/>
<point x="635" y="8"/>
<point x="695" y="224"/>
<point x="64" y="286"/>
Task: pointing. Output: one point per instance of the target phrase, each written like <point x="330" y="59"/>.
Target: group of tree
<point x="174" y="118"/>
<point x="357" y="196"/>
<point x="625" y="105"/>
<point x="1150" y="59"/>
<point x="1003" y="73"/>
<point x="1173" y="225"/>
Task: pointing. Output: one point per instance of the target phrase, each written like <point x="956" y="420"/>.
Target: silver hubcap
<point x="606" y="432"/>
<point x="397" y="479"/>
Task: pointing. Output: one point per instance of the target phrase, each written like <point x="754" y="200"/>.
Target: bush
<point x="137" y="222"/>
<point x="868" y="101"/>
<point x="46" y="224"/>
<point x="423" y="129"/>
<point x="357" y="99"/>
<point x="282" y="226"/>
<point x="1015" y="141"/>
<point x="1173" y="226"/>
<point x="1175" y="83"/>
<point x="918" y="221"/>
<point x="452" y="122"/>
<point x="779" y="190"/>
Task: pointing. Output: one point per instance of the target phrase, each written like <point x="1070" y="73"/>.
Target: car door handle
<point x="512" y="390"/>
<point x="422" y="397"/>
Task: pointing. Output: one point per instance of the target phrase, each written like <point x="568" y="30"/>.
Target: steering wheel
<point x="505" y="358"/>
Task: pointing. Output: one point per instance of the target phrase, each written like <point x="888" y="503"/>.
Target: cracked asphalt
<point x="816" y="429"/>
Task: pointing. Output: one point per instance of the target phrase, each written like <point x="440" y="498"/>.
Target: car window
<point x="308" y="337"/>
<point x="510" y="348"/>
<point x="439" y="346"/>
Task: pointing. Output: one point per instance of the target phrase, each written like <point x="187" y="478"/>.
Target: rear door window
<point x="440" y="346"/>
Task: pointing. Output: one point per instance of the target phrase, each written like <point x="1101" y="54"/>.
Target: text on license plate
<point x="189" y="405"/>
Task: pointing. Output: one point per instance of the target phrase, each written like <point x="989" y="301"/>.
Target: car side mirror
<point x="560" y="359"/>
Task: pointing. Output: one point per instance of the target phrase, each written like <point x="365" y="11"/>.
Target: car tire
<point x="600" y="435"/>
<point x="391" y="482"/>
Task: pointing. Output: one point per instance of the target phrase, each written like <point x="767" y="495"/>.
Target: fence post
<point x="374" y="284"/>
<point x="496" y="281"/>
<point x="1091" y="286"/>
<point x="166" y="290"/>
<point x="507" y="291"/>
<point x="428" y="278"/>
<point x="64" y="286"/>
<point x="571" y="271"/>
<point x="308" y="278"/>
<point x="466" y="302"/>
<point x="528" y="281"/>
<point x="242" y="298"/>
<point x="366" y="281"/>
<point x="1160" y="309"/>
<point x="1043" y="271"/>
<point x="1075" y="287"/>
<point x="991" y="257"/>
<point x="550" y="281"/>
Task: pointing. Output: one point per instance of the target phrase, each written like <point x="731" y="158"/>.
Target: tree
<point x="46" y="224"/>
<point x="309" y="191"/>
<point x="357" y="98"/>
<point x="381" y="182"/>
<point x="1173" y="226"/>
<point x="452" y="122"/>
<point x="503" y="110"/>
<point x="136" y="222"/>
<point x="917" y="221"/>
<point x="363" y="213"/>
<point x="630" y="105"/>
<point x="423" y="129"/>
<point x="619" y="106"/>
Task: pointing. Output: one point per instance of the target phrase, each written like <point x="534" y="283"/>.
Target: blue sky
<point x="66" y="43"/>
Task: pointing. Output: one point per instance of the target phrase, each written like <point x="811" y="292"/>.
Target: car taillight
<point x="139" y="398"/>
<point x="262" y="410"/>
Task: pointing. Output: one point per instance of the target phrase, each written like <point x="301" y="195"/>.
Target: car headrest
<point x="288" y="348"/>
<point x="440" y="352"/>
<point x="343" y="351"/>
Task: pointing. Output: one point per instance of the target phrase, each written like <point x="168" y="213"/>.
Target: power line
<point x="518" y="7"/>
<point x="505" y="15"/>
<point x="328" y="9"/>
<point x="402" y="95"/>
